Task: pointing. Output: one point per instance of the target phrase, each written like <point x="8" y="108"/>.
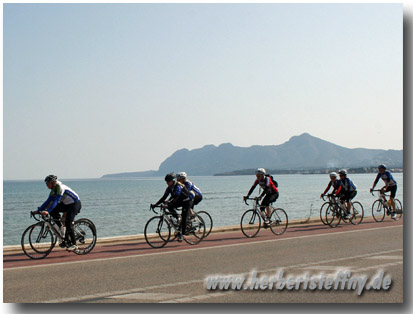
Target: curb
<point x="13" y="249"/>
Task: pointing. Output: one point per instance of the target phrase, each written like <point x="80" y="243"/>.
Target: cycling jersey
<point x="335" y="185"/>
<point x="179" y="193"/>
<point x="346" y="185"/>
<point x="193" y="188"/>
<point x="60" y="193"/>
<point x="386" y="177"/>
<point x="266" y="184"/>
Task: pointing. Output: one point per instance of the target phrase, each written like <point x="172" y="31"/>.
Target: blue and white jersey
<point x="193" y="188"/>
<point x="386" y="177"/>
<point x="178" y="191"/>
<point x="347" y="185"/>
<point x="60" y="194"/>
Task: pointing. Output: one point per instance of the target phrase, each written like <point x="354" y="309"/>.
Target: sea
<point x="120" y="207"/>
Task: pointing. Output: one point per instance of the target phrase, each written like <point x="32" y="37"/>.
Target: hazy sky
<point x="91" y="89"/>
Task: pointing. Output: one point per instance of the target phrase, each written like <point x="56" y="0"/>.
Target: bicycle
<point x="39" y="239"/>
<point x="381" y="208"/>
<point x="206" y="217"/>
<point x="336" y="212"/>
<point x="323" y="209"/>
<point x="251" y="220"/>
<point x="158" y="228"/>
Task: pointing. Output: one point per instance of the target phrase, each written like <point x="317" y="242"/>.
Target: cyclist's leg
<point x="271" y="199"/>
<point x="71" y="211"/>
<point x="186" y="206"/>
<point x="55" y="214"/>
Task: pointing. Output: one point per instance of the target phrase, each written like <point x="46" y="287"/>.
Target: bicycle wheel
<point x="333" y="216"/>
<point x="208" y="221"/>
<point x="279" y="221"/>
<point x="38" y="241"/>
<point x="357" y="213"/>
<point x="85" y="235"/>
<point x="378" y="211"/>
<point x="398" y="209"/>
<point x="157" y="232"/>
<point x="250" y="223"/>
<point x="323" y="210"/>
<point x="195" y="230"/>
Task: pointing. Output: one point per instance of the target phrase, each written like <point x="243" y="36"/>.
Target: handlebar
<point x="330" y="196"/>
<point x="152" y="207"/>
<point x="379" y="191"/>
<point x="38" y="216"/>
<point x="250" y="198"/>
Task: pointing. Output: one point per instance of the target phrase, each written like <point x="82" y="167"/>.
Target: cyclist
<point x="62" y="199"/>
<point x="346" y="190"/>
<point x="334" y="182"/>
<point x="269" y="190"/>
<point x="390" y="186"/>
<point x="192" y="188"/>
<point x="179" y="196"/>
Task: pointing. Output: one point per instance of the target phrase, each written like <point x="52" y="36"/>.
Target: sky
<point x="92" y="89"/>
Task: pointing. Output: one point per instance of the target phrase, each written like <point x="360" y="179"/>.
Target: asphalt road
<point x="129" y="273"/>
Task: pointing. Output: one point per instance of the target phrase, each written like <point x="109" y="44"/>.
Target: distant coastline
<point x="306" y="171"/>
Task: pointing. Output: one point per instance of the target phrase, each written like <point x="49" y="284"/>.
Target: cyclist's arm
<point x="252" y="188"/>
<point x="53" y="205"/>
<point x="44" y="205"/>
<point x="377" y="180"/>
<point x="163" y="198"/>
<point x="328" y="187"/>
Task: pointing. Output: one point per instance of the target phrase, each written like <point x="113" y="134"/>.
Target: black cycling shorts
<point x="392" y="189"/>
<point x="269" y="198"/>
<point x="348" y="195"/>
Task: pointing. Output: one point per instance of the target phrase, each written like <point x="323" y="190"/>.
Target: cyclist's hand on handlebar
<point x="371" y="190"/>
<point x="245" y="198"/>
<point x="44" y="213"/>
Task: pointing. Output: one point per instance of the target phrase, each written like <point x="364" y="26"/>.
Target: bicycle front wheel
<point x="85" y="235"/>
<point x="279" y="221"/>
<point x="378" y="211"/>
<point x="250" y="223"/>
<point x="357" y="213"/>
<point x="323" y="210"/>
<point x="38" y="241"/>
<point x="333" y="216"/>
<point x="206" y="217"/>
<point x="157" y="232"/>
<point x="195" y="230"/>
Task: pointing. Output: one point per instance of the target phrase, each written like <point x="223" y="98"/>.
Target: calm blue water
<point x="121" y="207"/>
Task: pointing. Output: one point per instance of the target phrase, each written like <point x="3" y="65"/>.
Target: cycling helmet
<point x="343" y="171"/>
<point x="382" y="167"/>
<point x="181" y="175"/>
<point x="333" y="174"/>
<point x="260" y="171"/>
<point x="50" y="178"/>
<point x="170" y="177"/>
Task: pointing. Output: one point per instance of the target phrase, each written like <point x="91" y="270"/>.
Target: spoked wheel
<point x="357" y="213"/>
<point x="85" y="235"/>
<point x="333" y="216"/>
<point x="38" y="241"/>
<point x="279" y="221"/>
<point x="195" y="230"/>
<point x="323" y="210"/>
<point x="250" y="223"/>
<point x="157" y="232"/>
<point x="378" y="211"/>
<point x="398" y="209"/>
<point x="208" y="221"/>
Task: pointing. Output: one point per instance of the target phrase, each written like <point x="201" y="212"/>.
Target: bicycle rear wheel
<point x="357" y="213"/>
<point x="195" y="230"/>
<point x="250" y="223"/>
<point x="38" y="241"/>
<point x="85" y="235"/>
<point x="333" y="216"/>
<point x="378" y="211"/>
<point x="157" y="232"/>
<point x="398" y="210"/>
<point x="206" y="217"/>
<point x="279" y="221"/>
<point x="323" y="210"/>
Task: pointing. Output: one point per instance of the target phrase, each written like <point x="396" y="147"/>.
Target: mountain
<point x="300" y="152"/>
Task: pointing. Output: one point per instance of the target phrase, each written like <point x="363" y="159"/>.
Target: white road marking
<point x="147" y="296"/>
<point x="174" y="284"/>
<point x="197" y="249"/>
<point x="386" y="257"/>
